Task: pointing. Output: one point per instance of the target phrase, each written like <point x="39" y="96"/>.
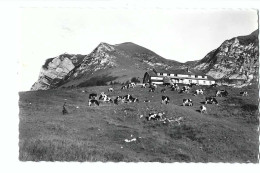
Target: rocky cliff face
<point x="107" y="62"/>
<point x="235" y="59"/>
<point x="56" y="70"/>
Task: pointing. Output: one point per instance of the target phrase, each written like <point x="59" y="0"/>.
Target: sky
<point x="179" y="34"/>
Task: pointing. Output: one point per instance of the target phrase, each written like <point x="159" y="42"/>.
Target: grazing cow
<point x="221" y="93"/>
<point x="92" y="96"/>
<point x="211" y="100"/>
<point x="117" y="99"/>
<point x="143" y="85"/>
<point x="131" y="85"/>
<point x="192" y="84"/>
<point x="110" y="89"/>
<point x="108" y="99"/>
<point x="93" y="102"/>
<point x="198" y="91"/>
<point x="175" y="87"/>
<point x="243" y="93"/>
<point x="64" y="110"/>
<point x="163" y="90"/>
<point x="203" y="109"/>
<point x="134" y="100"/>
<point x="128" y="98"/>
<point x="165" y="99"/>
<point x="185" y="89"/>
<point x="123" y="87"/>
<point x="187" y="102"/>
<point x="155" y="116"/>
<point x="153" y="85"/>
<point x="214" y="85"/>
<point x="102" y="96"/>
<point x="152" y="88"/>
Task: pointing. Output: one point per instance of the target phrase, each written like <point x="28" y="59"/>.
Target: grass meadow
<point x="227" y="133"/>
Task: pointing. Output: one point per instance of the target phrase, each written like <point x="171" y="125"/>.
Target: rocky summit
<point x="236" y="60"/>
<point x="106" y="63"/>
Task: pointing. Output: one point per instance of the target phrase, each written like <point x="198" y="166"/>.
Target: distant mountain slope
<point x="235" y="59"/>
<point x="105" y="63"/>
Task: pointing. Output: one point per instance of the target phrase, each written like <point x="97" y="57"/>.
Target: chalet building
<point x="184" y="76"/>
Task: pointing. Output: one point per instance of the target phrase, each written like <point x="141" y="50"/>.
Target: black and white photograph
<point x="139" y="85"/>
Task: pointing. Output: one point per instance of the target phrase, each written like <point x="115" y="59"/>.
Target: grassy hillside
<point x="228" y="133"/>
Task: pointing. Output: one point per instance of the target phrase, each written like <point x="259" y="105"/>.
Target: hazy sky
<point x="181" y="35"/>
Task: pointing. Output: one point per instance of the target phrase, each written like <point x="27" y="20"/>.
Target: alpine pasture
<point x="228" y="132"/>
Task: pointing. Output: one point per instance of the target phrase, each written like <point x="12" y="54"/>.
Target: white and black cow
<point x="123" y="87"/>
<point x="211" y="100"/>
<point x="185" y="89"/>
<point x="222" y="93"/>
<point x="144" y="85"/>
<point x="117" y="99"/>
<point x="152" y="88"/>
<point x="110" y="89"/>
<point x="243" y="93"/>
<point x="199" y="91"/>
<point x="163" y="90"/>
<point x="102" y="96"/>
<point x="147" y="101"/>
<point x="134" y="99"/>
<point x="92" y="96"/>
<point x="131" y="85"/>
<point x="165" y="100"/>
<point x="155" y="116"/>
<point x="175" y="87"/>
<point x="192" y="84"/>
<point x="203" y="109"/>
<point x="187" y="102"/>
<point x="93" y="102"/>
<point x="214" y="85"/>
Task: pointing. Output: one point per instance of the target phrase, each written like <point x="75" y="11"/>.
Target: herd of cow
<point x="95" y="100"/>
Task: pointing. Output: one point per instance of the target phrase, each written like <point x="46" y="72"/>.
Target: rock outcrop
<point x="236" y="59"/>
<point x="55" y="70"/>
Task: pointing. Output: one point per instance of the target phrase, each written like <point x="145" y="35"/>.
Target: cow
<point x="187" y="102"/>
<point x="128" y="98"/>
<point x="93" y="102"/>
<point x="152" y="88"/>
<point x="165" y="99"/>
<point x="147" y="101"/>
<point x="143" y="85"/>
<point x="192" y="84"/>
<point x="214" y="85"/>
<point x="153" y="85"/>
<point x="110" y="89"/>
<point x="102" y="96"/>
<point x="92" y="96"/>
<point x="117" y="99"/>
<point x="211" y="100"/>
<point x="175" y="87"/>
<point x="203" y="109"/>
<point x="185" y="89"/>
<point x="134" y="99"/>
<point x="108" y="99"/>
<point x="198" y="91"/>
<point x="155" y="116"/>
<point x="243" y="93"/>
<point x="131" y="85"/>
<point x="163" y="90"/>
<point x="123" y="87"/>
<point x="64" y="110"/>
<point x="221" y="93"/>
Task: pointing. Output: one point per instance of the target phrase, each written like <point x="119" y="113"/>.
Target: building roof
<point x="183" y="71"/>
<point x="152" y="73"/>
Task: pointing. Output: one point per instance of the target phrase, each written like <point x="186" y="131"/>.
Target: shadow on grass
<point x="97" y="81"/>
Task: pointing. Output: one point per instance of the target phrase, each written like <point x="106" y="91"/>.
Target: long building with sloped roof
<point x="184" y="76"/>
